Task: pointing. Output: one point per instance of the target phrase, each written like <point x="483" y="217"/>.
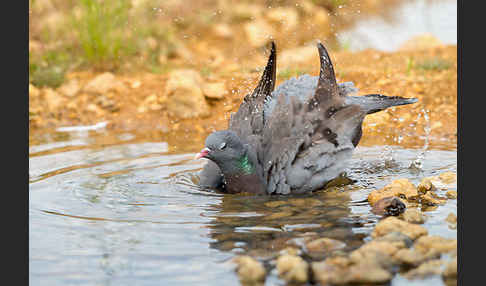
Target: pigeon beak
<point x="204" y="152"/>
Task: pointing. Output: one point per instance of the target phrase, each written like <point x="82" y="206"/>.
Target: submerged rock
<point x="323" y="246"/>
<point x="451" y="195"/>
<point x="432" y="267"/>
<point x="391" y="224"/>
<point x="249" y="270"/>
<point x="413" y="216"/>
<point x="292" y="268"/>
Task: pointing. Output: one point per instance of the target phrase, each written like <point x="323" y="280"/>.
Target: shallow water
<point x="123" y="209"/>
<point x="388" y="30"/>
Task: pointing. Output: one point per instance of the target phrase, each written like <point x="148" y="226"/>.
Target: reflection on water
<point x="389" y="31"/>
<point x="119" y="209"/>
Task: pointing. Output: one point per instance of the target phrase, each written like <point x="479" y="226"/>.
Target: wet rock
<point x="389" y="206"/>
<point x="451" y="218"/>
<point x="399" y="239"/>
<point x="275" y="204"/>
<point x="185" y="98"/>
<point x="432" y="267"/>
<point x="215" y="90"/>
<point x="413" y="216"/>
<point x="450" y="270"/>
<point x="327" y="273"/>
<point x="413" y="257"/>
<point x="307" y="203"/>
<point x="391" y="224"/>
<point x="323" y="246"/>
<point x="249" y="270"/>
<point x="103" y="83"/>
<point x="435" y="244"/>
<point x="448" y="177"/>
<point x="425" y="186"/>
<point x="290" y="251"/>
<point x="286" y="17"/>
<point x="376" y="252"/>
<point x="70" y="88"/>
<point x="402" y="188"/>
<point x="291" y="57"/>
<point x="258" y="32"/>
<point x="292" y="268"/>
<point x="451" y="195"/>
<point x="431" y="199"/>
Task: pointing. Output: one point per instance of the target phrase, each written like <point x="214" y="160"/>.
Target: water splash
<point x="417" y="163"/>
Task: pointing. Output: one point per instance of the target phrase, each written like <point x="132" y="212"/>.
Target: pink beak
<point x="204" y="152"/>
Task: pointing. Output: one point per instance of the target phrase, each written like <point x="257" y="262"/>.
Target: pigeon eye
<point x="222" y="146"/>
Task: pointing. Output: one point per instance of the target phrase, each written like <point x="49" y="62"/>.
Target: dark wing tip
<point x="267" y="81"/>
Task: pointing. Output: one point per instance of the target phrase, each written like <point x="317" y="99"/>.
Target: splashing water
<point x="417" y="163"/>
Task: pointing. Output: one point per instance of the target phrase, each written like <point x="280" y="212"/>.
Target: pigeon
<point x="291" y="139"/>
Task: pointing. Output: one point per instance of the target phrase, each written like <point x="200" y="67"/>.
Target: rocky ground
<point x="190" y="100"/>
<point x="398" y="245"/>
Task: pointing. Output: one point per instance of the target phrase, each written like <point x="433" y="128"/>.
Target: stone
<point x="391" y="224"/>
<point x="450" y="270"/>
<point x="389" y="206"/>
<point x="292" y="268"/>
<point x="430" y="199"/>
<point x="286" y="17"/>
<point x="432" y="267"/>
<point x="103" y="83"/>
<point x="451" y="218"/>
<point x="413" y="216"/>
<point x="185" y="98"/>
<point x="53" y="99"/>
<point x="70" y="88"/>
<point x="324" y="245"/>
<point x="425" y="186"/>
<point x="327" y="273"/>
<point x="402" y="188"/>
<point x="451" y="194"/>
<point x="258" y="32"/>
<point x="448" y="177"/>
<point x="413" y="257"/>
<point x="214" y="90"/>
<point x="249" y="270"/>
<point x="435" y="244"/>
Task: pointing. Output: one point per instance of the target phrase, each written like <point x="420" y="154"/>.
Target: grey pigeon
<point x="293" y="139"/>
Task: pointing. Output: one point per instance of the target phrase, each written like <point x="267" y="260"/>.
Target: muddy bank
<point x="197" y="102"/>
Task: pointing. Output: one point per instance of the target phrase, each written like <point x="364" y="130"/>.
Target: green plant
<point x="434" y="64"/>
<point x="48" y="69"/>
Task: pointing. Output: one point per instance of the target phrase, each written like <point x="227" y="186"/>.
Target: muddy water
<point x="123" y="209"/>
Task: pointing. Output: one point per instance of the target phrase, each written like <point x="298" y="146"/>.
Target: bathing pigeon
<point x="293" y="139"/>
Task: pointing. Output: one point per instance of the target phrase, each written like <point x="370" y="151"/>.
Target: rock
<point x="399" y="188"/>
<point x="399" y="239"/>
<point x="33" y="91"/>
<point x="421" y="42"/>
<point x="435" y="244"/>
<point x="103" y="83"/>
<point x="249" y="270"/>
<point x="70" y="88"/>
<point x="53" y="99"/>
<point x="368" y="273"/>
<point x="292" y="269"/>
<point x="413" y="257"/>
<point x="389" y="206"/>
<point x="258" y="32"/>
<point x="425" y="186"/>
<point x="327" y="273"/>
<point x="431" y="199"/>
<point x="323" y="246"/>
<point x="376" y="252"/>
<point x="451" y="194"/>
<point x="413" y="216"/>
<point x="223" y="30"/>
<point x="432" y="267"/>
<point x="215" y="90"/>
<point x="391" y="224"/>
<point x="185" y="98"/>
<point x="451" y="218"/>
<point x="286" y="17"/>
<point x="293" y="57"/>
<point x="451" y="269"/>
<point x="305" y="203"/>
<point x="448" y="177"/>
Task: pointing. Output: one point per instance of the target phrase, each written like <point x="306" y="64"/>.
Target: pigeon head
<point x="227" y="150"/>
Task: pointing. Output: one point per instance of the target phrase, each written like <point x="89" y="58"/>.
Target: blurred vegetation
<point x="435" y="63"/>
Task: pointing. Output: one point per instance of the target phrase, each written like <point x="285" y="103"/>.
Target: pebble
<point x="249" y="270"/>
<point x="413" y="216"/>
<point x="292" y="268"/>
<point x="324" y="245"/>
<point x="399" y="188"/>
<point x="451" y="195"/>
<point x="389" y="206"/>
<point x="392" y="223"/>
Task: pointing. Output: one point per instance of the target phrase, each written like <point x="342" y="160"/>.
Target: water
<point x="123" y="209"/>
<point x="389" y="31"/>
